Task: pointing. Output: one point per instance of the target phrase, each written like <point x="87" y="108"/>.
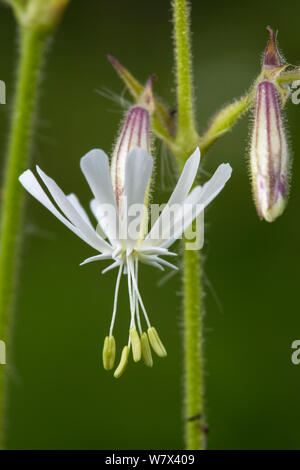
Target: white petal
<point x="154" y="264"/>
<point x="95" y="167"/>
<point x="200" y="198"/>
<point x="138" y="170"/>
<point x="81" y="211"/>
<point x="194" y="204"/>
<point x="69" y="210"/>
<point x="155" y="251"/>
<point x="165" y="263"/>
<point x="137" y="174"/>
<point x="169" y="265"/>
<point x="186" y="179"/>
<point x="216" y="183"/>
<point x="183" y="223"/>
<point x="112" y="266"/>
<point x="95" y="258"/>
<point x="31" y="184"/>
<point x="94" y="206"/>
<point x="179" y="194"/>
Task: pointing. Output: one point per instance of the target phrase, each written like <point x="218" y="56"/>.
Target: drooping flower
<point x="120" y="207"/>
<point x="269" y="154"/>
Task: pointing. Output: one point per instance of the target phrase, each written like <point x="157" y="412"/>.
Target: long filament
<point x="116" y="300"/>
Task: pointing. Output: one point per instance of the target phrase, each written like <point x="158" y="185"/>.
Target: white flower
<point x="128" y="250"/>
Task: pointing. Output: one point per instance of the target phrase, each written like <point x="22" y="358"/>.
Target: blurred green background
<point x="60" y="396"/>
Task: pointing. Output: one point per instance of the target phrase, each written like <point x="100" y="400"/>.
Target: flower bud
<point x="269" y="153"/>
<point x="135" y="133"/>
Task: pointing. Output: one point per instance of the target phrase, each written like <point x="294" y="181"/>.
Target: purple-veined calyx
<point x="135" y="133"/>
<point x="269" y="154"/>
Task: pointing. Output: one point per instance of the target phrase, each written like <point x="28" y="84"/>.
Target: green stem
<point x="31" y="54"/>
<point x="291" y="76"/>
<point x="186" y="131"/>
<point x="224" y="120"/>
<point x="186" y="142"/>
<point x="195" y="426"/>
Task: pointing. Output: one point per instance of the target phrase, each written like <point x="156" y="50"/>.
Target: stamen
<point x="156" y="343"/>
<point x="109" y="352"/>
<point x="136" y="345"/>
<point x="131" y="299"/>
<point x="146" y="351"/>
<point x="135" y="297"/>
<point x="130" y="269"/>
<point x="116" y="300"/>
<point x="123" y="362"/>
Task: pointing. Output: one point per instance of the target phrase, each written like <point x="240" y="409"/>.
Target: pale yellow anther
<point x="109" y="352"/>
<point x="123" y="362"/>
<point x="156" y="343"/>
<point x="136" y="344"/>
<point x="146" y="351"/>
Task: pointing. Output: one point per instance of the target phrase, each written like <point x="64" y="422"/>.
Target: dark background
<point x="60" y="396"/>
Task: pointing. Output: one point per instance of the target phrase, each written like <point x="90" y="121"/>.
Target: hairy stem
<point x="31" y="53"/>
<point x="224" y="120"/>
<point x="186" y="142"/>
<point x="186" y="131"/>
<point x="195" y="426"/>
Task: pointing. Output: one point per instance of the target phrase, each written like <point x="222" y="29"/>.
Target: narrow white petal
<point x="186" y="179"/>
<point x="165" y="263"/>
<point x="81" y="211"/>
<point x="94" y="206"/>
<point x="154" y="264"/>
<point x="137" y="174"/>
<point x="200" y="199"/>
<point x="31" y="184"/>
<point x="112" y="266"/>
<point x="183" y="223"/>
<point x="193" y="205"/>
<point x="155" y="251"/>
<point x="69" y="210"/>
<point x="95" y="258"/>
<point x="95" y="167"/>
<point x="178" y="196"/>
<point x="169" y="265"/>
<point x="216" y="183"/>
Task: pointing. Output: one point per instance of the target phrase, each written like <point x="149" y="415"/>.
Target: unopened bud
<point x="269" y="153"/>
<point x="135" y="133"/>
